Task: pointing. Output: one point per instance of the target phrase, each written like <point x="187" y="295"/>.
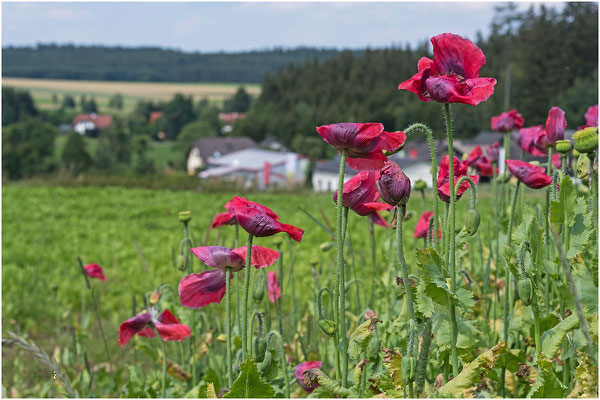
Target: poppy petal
<point x="170" y="332"/>
<point x="167" y="317"/>
<point x="132" y="326"/>
<point x="95" y="271"/>
<point x="225" y="218"/>
<point x="147" y="332"/>
<point x="199" y="290"/>
<point x="377" y="219"/>
<point x="218" y="257"/>
<point x="367" y="164"/>
<point x="260" y="257"/>
<point x="454" y="54"/>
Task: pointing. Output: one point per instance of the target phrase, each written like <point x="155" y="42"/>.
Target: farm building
<point x="87" y="123"/>
<point x="214" y="147"/>
<point x="263" y="168"/>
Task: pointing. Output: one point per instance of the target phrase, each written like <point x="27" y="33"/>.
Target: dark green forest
<point x="150" y="64"/>
<point x="549" y="57"/>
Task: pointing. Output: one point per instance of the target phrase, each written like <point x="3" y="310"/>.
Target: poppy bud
<point x="407" y="369"/>
<point x="583" y="166"/>
<point x="582" y="189"/>
<point x="259" y="347"/>
<point x="586" y="140"/>
<point x="563" y="146"/>
<point x="327" y="326"/>
<point x="473" y="220"/>
<point x="393" y="185"/>
<point x="525" y="288"/>
<point x="155" y="297"/>
<point x="420" y="185"/>
<point x="325" y="247"/>
<point x="266" y="362"/>
<point x="314" y="261"/>
<point x="259" y="291"/>
<point x="185" y="216"/>
<point x="503" y="178"/>
<point x="181" y="262"/>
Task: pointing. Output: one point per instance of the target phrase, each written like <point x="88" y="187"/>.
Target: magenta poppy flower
<point x="531" y="175"/>
<point x="226" y="218"/>
<point x="94" y="271"/>
<point x="260" y="221"/>
<point x="364" y="143"/>
<point x="480" y="162"/>
<point x="555" y="125"/>
<point x="443" y="178"/>
<point x="166" y="324"/>
<point x="507" y="121"/>
<point x="453" y="74"/>
<point x="301" y="369"/>
<point x="273" y="286"/>
<point x="393" y="185"/>
<point x="199" y="290"/>
<point x="556" y="161"/>
<point x="360" y="195"/>
<point x="493" y="152"/>
<point x="591" y="116"/>
<point x="423" y="225"/>
<point x="533" y="140"/>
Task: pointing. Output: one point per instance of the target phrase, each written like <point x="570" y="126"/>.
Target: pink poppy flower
<point x="533" y="140"/>
<point x="493" y="152"/>
<point x="199" y="290"/>
<point x="556" y="161"/>
<point x="480" y="162"/>
<point x="393" y="185"/>
<point x="443" y="178"/>
<point x="273" y="286"/>
<point x="453" y="74"/>
<point x="555" y="125"/>
<point x="360" y="195"/>
<point x="531" y="175"/>
<point x="591" y="116"/>
<point x="166" y="324"/>
<point x="423" y="225"/>
<point x="94" y="271"/>
<point x="364" y="143"/>
<point x="507" y="121"/>
<point x="301" y="369"/>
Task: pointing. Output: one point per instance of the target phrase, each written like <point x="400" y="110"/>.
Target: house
<point x="325" y="175"/>
<point x="228" y="118"/>
<point x="270" y="143"/>
<point x="87" y="123"/>
<point x="154" y="116"/>
<point x="214" y="147"/>
<point x="260" y="167"/>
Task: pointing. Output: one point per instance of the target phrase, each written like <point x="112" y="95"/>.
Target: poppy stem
<point x="341" y="286"/>
<point x="594" y="184"/>
<point x="228" y="324"/>
<point x="373" y="260"/>
<point x="338" y="374"/>
<point x="245" y="294"/>
<point x="402" y="262"/>
<point x="165" y="363"/>
<point x="282" y="361"/>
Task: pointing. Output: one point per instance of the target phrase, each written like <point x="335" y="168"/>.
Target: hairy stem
<point x="245" y="296"/>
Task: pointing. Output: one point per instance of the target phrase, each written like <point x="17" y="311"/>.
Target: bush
<point x="75" y="158"/>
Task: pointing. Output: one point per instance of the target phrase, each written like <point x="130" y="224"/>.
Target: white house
<point x="214" y="147"/>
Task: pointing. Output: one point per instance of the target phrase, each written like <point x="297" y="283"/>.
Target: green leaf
<point x="579" y="228"/>
<point x="552" y="339"/>
<point x="465" y="384"/>
<point x="424" y="303"/>
<point x="359" y="339"/>
<point x="586" y="378"/>
<point x="547" y="384"/>
<point x="467" y="334"/>
<point x="249" y="384"/>
<point x="465" y="299"/>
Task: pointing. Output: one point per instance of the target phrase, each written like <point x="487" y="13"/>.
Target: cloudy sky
<point x="209" y="27"/>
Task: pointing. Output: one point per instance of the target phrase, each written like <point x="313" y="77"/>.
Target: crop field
<point x="43" y="89"/>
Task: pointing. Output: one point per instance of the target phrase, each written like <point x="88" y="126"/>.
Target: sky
<point x="211" y="27"/>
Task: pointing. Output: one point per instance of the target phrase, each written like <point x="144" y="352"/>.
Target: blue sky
<point x="210" y="27"/>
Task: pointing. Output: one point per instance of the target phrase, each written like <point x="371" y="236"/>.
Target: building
<point x="214" y="147"/>
<point x="87" y="123"/>
<point x="155" y="116"/>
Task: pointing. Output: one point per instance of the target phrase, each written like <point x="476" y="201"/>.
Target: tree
<point x="240" y="102"/>
<point x="176" y="114"/>
<point x="17" y="106"/>
<point x="28" y="149"/>
<point x="68" y="101"/>
<point x="142" y="164"/>
<point x="194" y="131"/>
<point x="75" y="157"/>
<point x="116" y="101"/>
<point x="90" y="106"/>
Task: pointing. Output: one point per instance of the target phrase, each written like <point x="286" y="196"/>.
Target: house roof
<point x="154" y="115"/>
<point x="100" y="120"/>
<point x="251" y="159"/>
<point x="230" y="117"/>
<point x="220" y="146"/>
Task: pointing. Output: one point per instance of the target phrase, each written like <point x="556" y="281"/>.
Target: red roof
<point x="154" y="115"/>
<point x="101" y="121"/>
<point x="231" y="116"/>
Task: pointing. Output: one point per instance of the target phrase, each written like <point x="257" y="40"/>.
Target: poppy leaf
<point x="359" y="339"/>
<point x="579" y="232"/>
<point x="249" y="384"/>
<point x="552" y="339"/>
<point x="547" y="384"/>
<point x="586" y="378"/>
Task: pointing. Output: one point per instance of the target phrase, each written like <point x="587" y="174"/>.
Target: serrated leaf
<point x="547" y="384"/>
<point x="586" y="378"/>
<point x="249" y="384"/>
<point x="359" y="339"/>
<point x="521" y="320"/>
<point x="465" y="299"/>
<point x="552" y="339"/>
<point x="465" y="384"/>
<point x="579" y="228"/>
<point x="467" y="333"/>
<point x="392" y="360"/>
<point x="521" y="233"/>
<point x="424" y="303"/>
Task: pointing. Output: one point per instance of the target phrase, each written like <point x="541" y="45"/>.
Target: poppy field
<point x="483" y="284"/>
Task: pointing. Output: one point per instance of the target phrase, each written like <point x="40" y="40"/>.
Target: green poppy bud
<point x="325" y="247"/>
<point x="503" y="178"/>
<point x="563" y="146"/>
<point x="525" y="288"/>
<point x="420" y="185"/>
<point x="185" y="216"/>
<point x="586" y="140"/>
<point x="266" y="362"/>
<point x="583" y="166"/>
<point x="181" y="262"/>
<point x="473" y="220"/>
<point x="582" y="189"/>
<point x="259" y="291"/>
<point x="314" y="261"/>
<point x="327" y="326"/>
<point x="407" y="369"/>
<point x="259" y="347"/>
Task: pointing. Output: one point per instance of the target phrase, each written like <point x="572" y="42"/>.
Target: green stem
<point x="507" y="270"/>
<point x="351" y="249"/>
<point x="228" y="324"/>
<point x="373" y="260"/>
<point x="245" y="296"/>
<point x="340" y="271"/>
<point x="283" y="364"/>
<point x="594" y="176"/>
<point x="402" y="263"/>
<point x="165" y="363"/>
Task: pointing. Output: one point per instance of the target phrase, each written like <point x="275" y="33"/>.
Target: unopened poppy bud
<point x="503" y="178"/>
<point x="185" y="216"/>
<point x="420" y="185"/>
<point x="563" y="146"/>
<point x="583" y="166"/>
<point x="586" y="140"/>
<point x="259" y="347"/>
<point x="155" y="297"/>
<point x="314" y="261"/>
<point x="259" y="291"/>
<point x="407" y="369"/>
<point x="582" y="189"/>
<point x="535" y="162"/>
<point x="181" y="262"/>
<point x="327" y="326"/>
<point x="525" y="288"/>
<point x="393" y="185"/>
<point x="327" y="246"/>
<point x="473" y="220"/>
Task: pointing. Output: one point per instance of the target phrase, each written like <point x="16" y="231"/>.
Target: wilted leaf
<point x="586" y="378"/>
<point x="210" y="391"/>
<point x="249" y="384"/>
<point x="391" y="361"/>
<point x="359" y="339"/>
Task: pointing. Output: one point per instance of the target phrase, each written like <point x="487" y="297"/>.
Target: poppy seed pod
<point x="586" y="140"/>
<point x="563" y="146"/>
<point x="473" y="220"/>
<point x="185" y="216"/>
<point x="575" y="153"/>
<point x="583" y="166"/>
<point x="420" y="185"/>
<point x="325" y="247"/>
<point x="525" y="288"/>
<point x="327" y="326"/>
<point x="393" y="185"/>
